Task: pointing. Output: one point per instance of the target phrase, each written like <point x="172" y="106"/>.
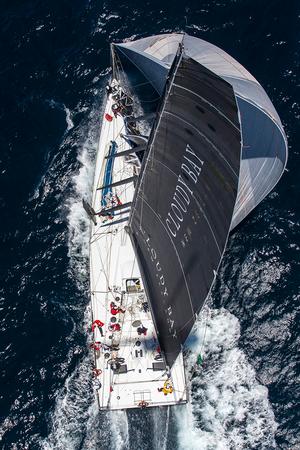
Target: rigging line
<point x="108" y="223"/>
<point x="103" y="267"/>
<point x="101" y="176"/>
<point x="133" y="264"/>
<point x="115" y="137"/>
<point x="98" y="236"/>
<point x="98" y="301"/>
<point x="210" y="104"/>
<point x="155" y="99"/>
<point x="117" y="63"/>
<point x="139" y="69"/>
<point x="161" y="377"/>
<point x="140" y="84"/>
<point x="98" y="154"/>
<point x="102" y="169"/>
<point x="124" y="79"/>
<point x="117" y="172"/>
<point x="177" y="390"/>
<point x="110" y="238"/>
<point x="97" y="232"/>
<point x="119" y="194"/>
<point x="99" y="292"/>
<point x="95" y="283"/>
<point x="108" y="243"/>
<point x="123" y="170"/>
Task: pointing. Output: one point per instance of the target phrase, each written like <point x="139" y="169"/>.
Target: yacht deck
<point x="129" y="369"/>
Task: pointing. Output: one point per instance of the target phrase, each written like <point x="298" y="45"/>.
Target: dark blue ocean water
<point x="54" y="59"/>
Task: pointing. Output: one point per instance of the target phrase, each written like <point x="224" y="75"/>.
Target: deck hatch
<point x="158" y="365"/>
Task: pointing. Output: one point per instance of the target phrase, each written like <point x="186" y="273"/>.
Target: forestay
<point x="185" y="197"/>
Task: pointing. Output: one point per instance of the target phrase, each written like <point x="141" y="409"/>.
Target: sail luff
<point x="113" y="63"/>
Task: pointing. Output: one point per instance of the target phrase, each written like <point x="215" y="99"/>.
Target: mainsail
<point x="184" y="200"/>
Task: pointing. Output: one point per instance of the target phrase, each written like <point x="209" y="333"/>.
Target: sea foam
<point x="228" y="407"/>
<point x="77" y="219"/>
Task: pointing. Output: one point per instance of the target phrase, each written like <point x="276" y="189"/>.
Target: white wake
<point x="76" y="421"/>
<point x="69" y="120"/>
<point x="229" y="409"/>
<point x="78" y="222"/>
<point x="75" y="409"/>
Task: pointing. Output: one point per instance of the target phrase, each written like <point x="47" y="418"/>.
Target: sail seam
<point x="139" y="68"/>
<point x="206" y="138"/>
<point x="196" y="201"/>
<point x="143" y="207"/>
<point x="279" y="126"/>
<point x="210" y="104"/>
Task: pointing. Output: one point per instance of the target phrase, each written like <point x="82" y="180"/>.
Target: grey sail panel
<point x="153" y="69"/>
<point x="185" y="197"/>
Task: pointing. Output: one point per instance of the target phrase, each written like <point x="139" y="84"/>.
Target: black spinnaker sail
<point x="183" y="205"/>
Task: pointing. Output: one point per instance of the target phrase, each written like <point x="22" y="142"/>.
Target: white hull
<point x="112" y="262"/>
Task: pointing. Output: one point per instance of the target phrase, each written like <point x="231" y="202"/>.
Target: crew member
<point x="142" y="330"/>
<point x="119" y="203"/>
<point x="109" y="89"/>
<point x="167" y="388"/>
<point x="96" y="372"/>
<point x="115" y="327"/>
<point x="98" y="324"/>
<point x="114" y="309"/>
<point x="116" y="109"/>
<point x="96" y="346"/>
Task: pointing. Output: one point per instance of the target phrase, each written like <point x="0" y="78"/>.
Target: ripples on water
<point x="54" y="66"/>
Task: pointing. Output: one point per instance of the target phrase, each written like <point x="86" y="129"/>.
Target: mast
<point x="113" y="63"/>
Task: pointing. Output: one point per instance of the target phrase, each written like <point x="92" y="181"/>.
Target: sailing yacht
<point x="190" y="143"/>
